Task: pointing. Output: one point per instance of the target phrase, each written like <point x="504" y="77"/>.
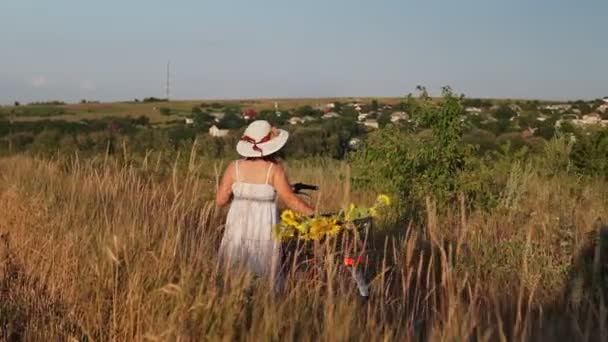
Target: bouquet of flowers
<point x="301" y="227"/>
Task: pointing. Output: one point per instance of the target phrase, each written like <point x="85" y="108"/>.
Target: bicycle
<point x="352" y="248"/>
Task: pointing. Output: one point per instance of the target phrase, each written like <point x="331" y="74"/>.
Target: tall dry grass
<point x="117" y="252"/>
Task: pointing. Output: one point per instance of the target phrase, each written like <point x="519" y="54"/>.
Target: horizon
<point x="115" y="52"/>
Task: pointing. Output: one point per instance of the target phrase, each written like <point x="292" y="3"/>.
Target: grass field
<point x="128" y="252"/>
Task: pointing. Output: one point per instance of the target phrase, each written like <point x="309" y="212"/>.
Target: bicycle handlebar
<point x="299" y="187"/>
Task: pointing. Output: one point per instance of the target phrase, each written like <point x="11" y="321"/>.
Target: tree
<point x="546" y="129"/>
<point x="349" y="112"/>
<point x="504" y="112"/>
<point x="375" y="105"/>
<point x="583" y="107"/>
<point x="417" y="166"/>
<point x="590" y="154"/>
<point x="479" y="103"/>
<point x="526" y="121"/>
<point x="17" y="104"/>
<point x="384" y="119"/>
<point x="231" y="121"/>
<point x="202" y="120"/>
<point x="307" y="111"/>
<point x="142" y="120"/>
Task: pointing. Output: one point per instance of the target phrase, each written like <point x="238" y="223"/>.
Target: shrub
<point x="415" y="167"/>
<point x="590" y="154"/>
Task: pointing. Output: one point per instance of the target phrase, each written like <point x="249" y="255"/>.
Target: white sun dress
<point x="248" y="239"/>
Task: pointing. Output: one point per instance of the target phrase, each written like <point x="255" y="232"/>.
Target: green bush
<point x="590" y="154"/>
<point x="414" y="167"/>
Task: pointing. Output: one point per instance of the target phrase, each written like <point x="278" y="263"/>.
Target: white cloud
<point x="87" y="85"/>
<point x="38" y="82"/>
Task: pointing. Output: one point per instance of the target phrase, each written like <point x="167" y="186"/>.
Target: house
<point x="329" y="107"/>
<point x="473" y="110"/>
<point x="557" y="107"/>
<point x="590" y="119"/>
<point x="249" y="114"/>
<point x="330" y="115"/>
<point x="516" y="108"/>
<point x="570" y="117"/>
<point x="294" y="120"/>
<point x="189" y="121"/>
<point x="603" y="107"/>
<point x="593" y="118"/>
<point x="362" y="116"/>
<point x="399" y="116"/>
<point x="355" y="105"/>
<point x="541" y="118"/>
<point x="308" y="118"/>
<point x="371" y="123"/>
<point x="216" y="132"/>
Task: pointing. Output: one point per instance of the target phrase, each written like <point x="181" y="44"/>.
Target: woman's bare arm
<point x="224" y="190"/>
<point x="281" y="184"/>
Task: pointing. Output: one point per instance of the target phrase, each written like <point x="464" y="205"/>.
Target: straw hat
<point x="261" y="139"/>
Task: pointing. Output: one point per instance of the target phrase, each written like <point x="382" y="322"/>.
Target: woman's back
<point x="253" y="181"/>
<point x="253" y="213"/>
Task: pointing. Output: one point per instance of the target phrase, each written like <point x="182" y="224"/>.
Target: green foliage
<point x="307" y="110"/>
<point x="481" y="139"/>
<point x="417" y="166"/>
<point x="202" y="120"/>
<point x="232" y="120"/>
<point x="590" y="154"/>
<point x="329" y="139"/>
<point x="349" y="112"/>
<point x="47" y="103"/>
<point x="154" y="99"/>
<point x="479" y="103"/>
<point x="274" y="118"/>
<point x="583" y="107"/>
<point x="46" y="142"/>
<point x="165" y="111"/>
<point x="504" y="112"/>
<point x="374" y="105"/>
<point x="384" y="119"/>
<point x="546" y="129"/>
<point x="40" y="110"/>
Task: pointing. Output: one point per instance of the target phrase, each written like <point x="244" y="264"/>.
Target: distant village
<point x="374" y="115"/>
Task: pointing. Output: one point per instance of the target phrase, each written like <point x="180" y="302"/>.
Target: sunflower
<point x="383" y="200"/>
<point x="290" y="218"/>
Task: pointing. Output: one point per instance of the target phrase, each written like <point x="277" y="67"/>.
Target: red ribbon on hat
<point x="255" y="143"/>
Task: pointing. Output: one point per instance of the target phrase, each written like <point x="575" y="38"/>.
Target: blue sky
<point x="118" y="50"/>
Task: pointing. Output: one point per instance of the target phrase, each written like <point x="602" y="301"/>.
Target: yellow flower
<point x="373" y="212"/>
<point x="383" y="200"/>
<point x="289" y="218"/>
<point x="350" y="214"/>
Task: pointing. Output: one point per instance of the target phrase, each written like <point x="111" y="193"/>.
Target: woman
<point x="253" y="183"/>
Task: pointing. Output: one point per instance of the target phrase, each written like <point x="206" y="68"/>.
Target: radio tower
<point x="168" y="86"/>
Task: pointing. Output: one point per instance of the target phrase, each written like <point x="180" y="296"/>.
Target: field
<point x="109" y="231"/>
<point x="115" y="251"/>
<point x="94" y="110"/>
